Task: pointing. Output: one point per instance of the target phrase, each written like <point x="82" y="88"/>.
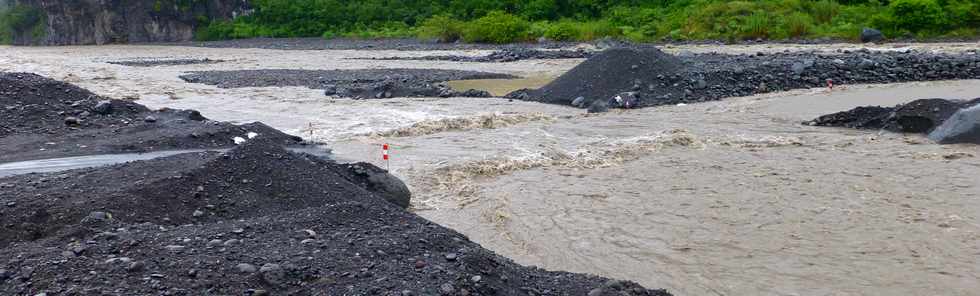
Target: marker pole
<point x="384" y="155"/>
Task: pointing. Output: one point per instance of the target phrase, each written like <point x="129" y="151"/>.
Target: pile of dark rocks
<point x="945" y="121"/>
<point x="357" y="84"/>
<point x="152" y="62"/>
<point x="656" y="78"/>
<point x="42" y="118"/>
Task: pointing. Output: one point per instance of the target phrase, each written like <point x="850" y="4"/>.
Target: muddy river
<point x="734" y="197"/>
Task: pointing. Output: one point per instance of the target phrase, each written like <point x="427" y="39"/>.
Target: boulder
<point x="598" y="106"/>
<point x="103" y="107"/>
<point x="871" y="35"/>
<point x="380" y="182"/>
<point x="962" y="127"/>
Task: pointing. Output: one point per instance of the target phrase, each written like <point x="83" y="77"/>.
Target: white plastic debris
<point x="239" y="140"/>
<point x="252" y="135"/>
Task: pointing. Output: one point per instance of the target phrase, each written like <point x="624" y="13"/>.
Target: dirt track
<point x="730" y="197"/>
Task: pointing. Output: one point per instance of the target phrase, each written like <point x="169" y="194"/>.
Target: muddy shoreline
<point x="358" y="84"/>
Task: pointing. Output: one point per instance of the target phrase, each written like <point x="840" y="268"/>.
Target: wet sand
<point x="720" y="198"/>
<point x="502" y="87"/>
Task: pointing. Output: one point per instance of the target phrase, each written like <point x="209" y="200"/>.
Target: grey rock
<point x="797" y="68"/>
<point x="330" y="90"/>
<point x="136" y="266"/>
<point x="150" y="119"/>
<point x="871" y="35"/>
<point x="246" y="268"/>
<point x="71" y="120"/>
<point x="78" y="250"/>
<point x="700" y="84"/>
<point x="272" y="274"/>
<point x="103" y="107"/>
<point x="214" y="243"/>
<point x="598" y="106"/>
<point x="384" y="184"/>
<point x="198" y="213"/>
<point x="475" y="93"/>
<point x="962" y="127"/>
<point x="579" y="102"/>
<point x="119" y="260"/>
<point x="451" y="256"/>
<point x="96" y="217"/>
<point x="174" y="248"/>
<point x="447" y="289"/>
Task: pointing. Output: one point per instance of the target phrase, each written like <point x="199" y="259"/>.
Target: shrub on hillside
<point x="798" y="25"/>
<point x="497" y="27"/>
<point x="441" y="27"/>
<point x="911" y="16"/>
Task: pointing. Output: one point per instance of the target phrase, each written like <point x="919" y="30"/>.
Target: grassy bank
<point x="580" y="20"/>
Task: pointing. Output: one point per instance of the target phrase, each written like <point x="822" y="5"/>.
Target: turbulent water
<point x="734" y="197"/>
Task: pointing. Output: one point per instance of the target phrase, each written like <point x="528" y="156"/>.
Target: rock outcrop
<point x="78" y="22"/>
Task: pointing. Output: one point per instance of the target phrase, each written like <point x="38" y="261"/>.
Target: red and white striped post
<point x="384" y="155"/>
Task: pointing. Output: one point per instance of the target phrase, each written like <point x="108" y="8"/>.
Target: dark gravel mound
<point x="164" y="62"/>
<point x="43" y="118"/>
<point x="704" y="77"/>
<point x="255" y="179"/>
<point x="605" y="75"/>
<point x="919" y="116"/>
<point x="503" y="56"/>
<point x="359" y="84"/>
<point x="257" y="220"/>
<point x="36" y="104"/>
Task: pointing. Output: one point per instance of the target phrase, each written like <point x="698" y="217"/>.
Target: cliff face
<point x="69" y="22"/>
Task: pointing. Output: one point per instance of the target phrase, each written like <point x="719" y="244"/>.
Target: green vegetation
<point x="639" y="20"/>
<point x="21" y="20"/>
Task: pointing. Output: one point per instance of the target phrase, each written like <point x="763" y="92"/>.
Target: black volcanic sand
<point x="359" y="83"/>
<point x="918" y="116"/>
<point x="657" y="78"/>
<point x="42" y="118"/>
<point x="255" y="220"/>
<point x="501" y="56"/>
<point x="315" y="43"/>
<point x="164" y="62"/>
